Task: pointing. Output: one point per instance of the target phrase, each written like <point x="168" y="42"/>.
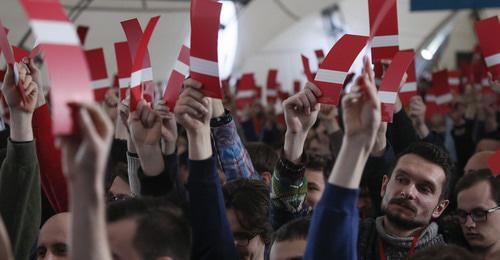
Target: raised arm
<point x="84" y="162"/>
<point x="289" y="186"/>
<point x="19" y="176"/>
<point x="334" y="226"/>
<point x="212" y="238"/>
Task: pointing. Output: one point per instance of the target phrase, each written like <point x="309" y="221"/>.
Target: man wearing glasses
<point x="478" y="211"/>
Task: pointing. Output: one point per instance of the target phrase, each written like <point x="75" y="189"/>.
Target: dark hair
<point x="444" y="252"/>
<point x="475" y="176"/>
<point x="435" y="155"/>
<point x="250" y="201"/>
<point x="321" y="163"/>
<point x="263" y="157"/>
<point x="294" y="230"/>
<point x="162" y="228"/>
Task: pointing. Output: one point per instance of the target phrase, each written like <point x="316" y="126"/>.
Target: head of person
<point x="443" y="253"/>
<point x="316" y="167"/>
<point x="478" y="161"/>
<point x="264" y="159"/>
<point x="247" y="206"/>
<point x="487" y="144"/>
<point x="141" y="228"/>
<point x="478" y="211"/>
<point x="119" y="187"/>
<point x="416" y="190"/>
<point x="290" y="240"/>
<point x="53" y="238"/>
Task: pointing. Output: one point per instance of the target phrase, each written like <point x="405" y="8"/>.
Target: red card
<point x="272" y="86"/>
<point x="246" y="91"/>
<point x="296" y="86"/>
<point x="141" y="75"/>
<point x="487" y="32"/>
<point x="124" y="64"/>
<point x="68" y="73"/>
<point x="320" y="55"/>
<point x="494" y="163"/>
<point x="98" y="72"/>
<point x="442" y="91"/>
<point x="307" y="68"/>
<point x="177" y="76"/>
<point x="409" y="89"/>
<point x="19" y="53"/>
<point x="133" y="32"/>
<point x="454" y="81"/>
<point x="384" y="28"/>
<point x="204" y="34"/>
<point x="82" y="33"/>
<point x="389" y="87"/>
<point x="334" y="69"/>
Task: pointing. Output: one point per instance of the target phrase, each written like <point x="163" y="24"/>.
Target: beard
<point x="398" y="220"/>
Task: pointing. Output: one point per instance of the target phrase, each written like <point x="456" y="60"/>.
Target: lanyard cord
<point x="410" y="252"/>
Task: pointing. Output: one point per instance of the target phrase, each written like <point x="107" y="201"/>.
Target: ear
<point x="440" y="208"/>
<point x="266" y="178"/>
<point x="385" y="181"/>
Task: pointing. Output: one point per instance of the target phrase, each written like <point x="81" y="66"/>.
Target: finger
<point x="193" y="93"/>
<point x="306" y="106"/>
<point x="191" y="83"/>
<point x="22" y="70"/>
<point x="152" y="118"/>
<point x="371" y="91"/>
<point x="368" y="69"/>
<point x="30" y="89"/>
<point x="314" y="89"/>
<point x="27" y="80"/>
<point x="311" y="98"/>
<point x="32" y="66"/>
<point x="183" y="109"/>
<point x="102" y="123"/>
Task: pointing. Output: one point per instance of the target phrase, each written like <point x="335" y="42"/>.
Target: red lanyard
<point x="410" y="252"/>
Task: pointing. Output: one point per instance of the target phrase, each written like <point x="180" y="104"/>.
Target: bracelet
<point x="225" y="119"/>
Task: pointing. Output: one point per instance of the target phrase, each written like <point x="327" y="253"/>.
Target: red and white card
<point x="246" y="91"/>
<point x="68" y="72"/>
<point x="307" y="68"/>
<point x="296" y="86"/>
<point x="338" y="62"/>
<point x="98" y="72"/>
<point x="141" y="76"/>
<point x="487" y="32"/>
<point x="82" y="32"/>
<point x="133" y="32"/>
<point x="320" y="55"/>
<point x="204" y="65"/>
<point x="409" y="88"/>
<point x="176" y="79"/>
<point x="384" y="29"/>
<point x="454" y="81"/>
<point x="439" y="95"/>
<point x="272" y="86"/>
<point x="124" y="65"/>
<point x="391" y="83"/>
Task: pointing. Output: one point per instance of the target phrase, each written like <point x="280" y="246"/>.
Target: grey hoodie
<point x="396" y="248"/>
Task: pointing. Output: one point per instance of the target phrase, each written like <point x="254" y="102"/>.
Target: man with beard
<point x="478" y="199"/>
<point x="413" y="194"/>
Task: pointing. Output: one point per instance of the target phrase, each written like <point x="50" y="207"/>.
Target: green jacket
<point x="20" y="197"/>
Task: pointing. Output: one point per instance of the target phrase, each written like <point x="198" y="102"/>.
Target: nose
<point x="469" y="223"/>
<point x="409" y="191"/>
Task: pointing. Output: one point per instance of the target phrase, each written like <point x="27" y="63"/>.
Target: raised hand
<point x="193" y="111"/>
<point x="11" y="92"/>
<point x="168" y="127"/>
<point x="301" y="109"/>
<point x="417" y="116"/>
<point x="85" y="154"/>
<point x="361" y="106"/>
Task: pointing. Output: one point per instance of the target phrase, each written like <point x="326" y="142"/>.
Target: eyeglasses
<point x="243" y="238"/>
<point x="477" y="215"/>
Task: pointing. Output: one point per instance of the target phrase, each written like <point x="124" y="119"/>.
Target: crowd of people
<point x="206" y="181"/>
